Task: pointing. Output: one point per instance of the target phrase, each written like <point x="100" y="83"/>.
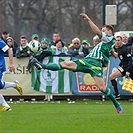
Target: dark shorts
<point x="123" y="71"/>
<point x="90" y="65"/>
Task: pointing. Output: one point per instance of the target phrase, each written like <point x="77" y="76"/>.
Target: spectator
<point x="129" y="45"/>
<point x="56" y="36"/>
<point x="86" y="44"/>
<point x="23" y="49"/>
<point x="45" y="51"/>
<point x="10" y="43"/>
<point x="77" y="49"/>
<point x="59" y="47"/>
<point x="45" y="43"/>
<point x="124" y="39"/>
<point x="96" y="40"/>
<point x="5" y="35"/>
<point x="35" y="37"/>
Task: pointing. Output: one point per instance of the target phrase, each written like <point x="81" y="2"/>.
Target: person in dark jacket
<point x="129" y="45"/>
<point x="10" y="43"/>
<point x="78" y="49"/>
<point x="23" y="49"/>
<point x="5" y="35"/>
<point x="45" y="50"/>
<point x="124" y="68"/>
<point x="56" y="37"/>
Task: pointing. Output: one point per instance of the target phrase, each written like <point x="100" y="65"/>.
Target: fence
<point x="79" y="84"/>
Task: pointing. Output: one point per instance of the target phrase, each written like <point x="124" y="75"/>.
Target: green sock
<point x="110" y="96"/>
<point x="52" y="66"/>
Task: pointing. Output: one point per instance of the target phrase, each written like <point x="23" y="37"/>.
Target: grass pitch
<point x="63" y="117"/>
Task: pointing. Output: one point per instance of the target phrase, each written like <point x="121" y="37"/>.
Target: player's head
<point x="44" y="42"/>
<point x="56" y="36"/>
<point x="35" y="37"/>
<point x="59" y="43"/>
<point x="108" y="29"/>
<point x="124" y="38"/>
<point x="118" y="41"/>
<point x="76" y="42"/>
<point x="5" y="34"/>
<point x="10" y="41"/>
<point x="23" y="40"/>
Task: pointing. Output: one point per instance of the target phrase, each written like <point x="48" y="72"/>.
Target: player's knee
<point x="1" y="85"/>
<point x="102" y="87"/>
<point x="63" y="64"/>
<point x="111" y="77"/>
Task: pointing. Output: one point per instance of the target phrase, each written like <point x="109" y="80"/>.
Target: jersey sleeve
<point x="129" y="58"/>
<point x="3" y="46"/>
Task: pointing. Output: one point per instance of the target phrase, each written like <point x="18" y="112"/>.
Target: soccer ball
<point x="34" y="46"/>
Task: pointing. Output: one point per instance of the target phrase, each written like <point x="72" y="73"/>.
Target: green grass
<point x="81" y="117"/>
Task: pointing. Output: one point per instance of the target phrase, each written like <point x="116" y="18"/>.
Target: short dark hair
<point x="59" y="41"/>
<point x="5" y="32"/>
<point x="119" y="37"/>
<point x="130" y="39"/>
<point x="23" y="37"/>
<point x="109" y="27"/>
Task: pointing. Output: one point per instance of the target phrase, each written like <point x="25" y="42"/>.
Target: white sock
<point x="3" y="102"/>
<point x="9" y="84"/>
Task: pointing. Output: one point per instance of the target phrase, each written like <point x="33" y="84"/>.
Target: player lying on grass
<point x="93" y="63"/>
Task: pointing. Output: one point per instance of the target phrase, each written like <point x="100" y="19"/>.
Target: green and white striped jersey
<point x="102" y="50"/>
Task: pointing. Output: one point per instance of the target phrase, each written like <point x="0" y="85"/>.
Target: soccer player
<point x="93" y="62"/>
<point x="3" y="85"/>
<point x="125" y="66"/>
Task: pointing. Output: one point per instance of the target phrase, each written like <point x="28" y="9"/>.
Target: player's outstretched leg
<point x="50" y="66"/>
<point x="115" y="102"/>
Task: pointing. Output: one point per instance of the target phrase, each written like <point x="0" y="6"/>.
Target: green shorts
<point x="89" y="65"/>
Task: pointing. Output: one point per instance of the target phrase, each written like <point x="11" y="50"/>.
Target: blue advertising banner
<point x="83" y="83"/>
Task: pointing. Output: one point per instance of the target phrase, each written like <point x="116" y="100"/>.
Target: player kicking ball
<point x="93" y="63"/>
<point x="3" y="84"/>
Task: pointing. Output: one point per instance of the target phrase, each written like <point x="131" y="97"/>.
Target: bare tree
<point x="47" y="16"/>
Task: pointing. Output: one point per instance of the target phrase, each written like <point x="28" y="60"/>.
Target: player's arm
<point x="92" y="25"/>
<point x="114" y="54"/>
<point x="129" y="58"/>
<point x="10" y="54"/>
